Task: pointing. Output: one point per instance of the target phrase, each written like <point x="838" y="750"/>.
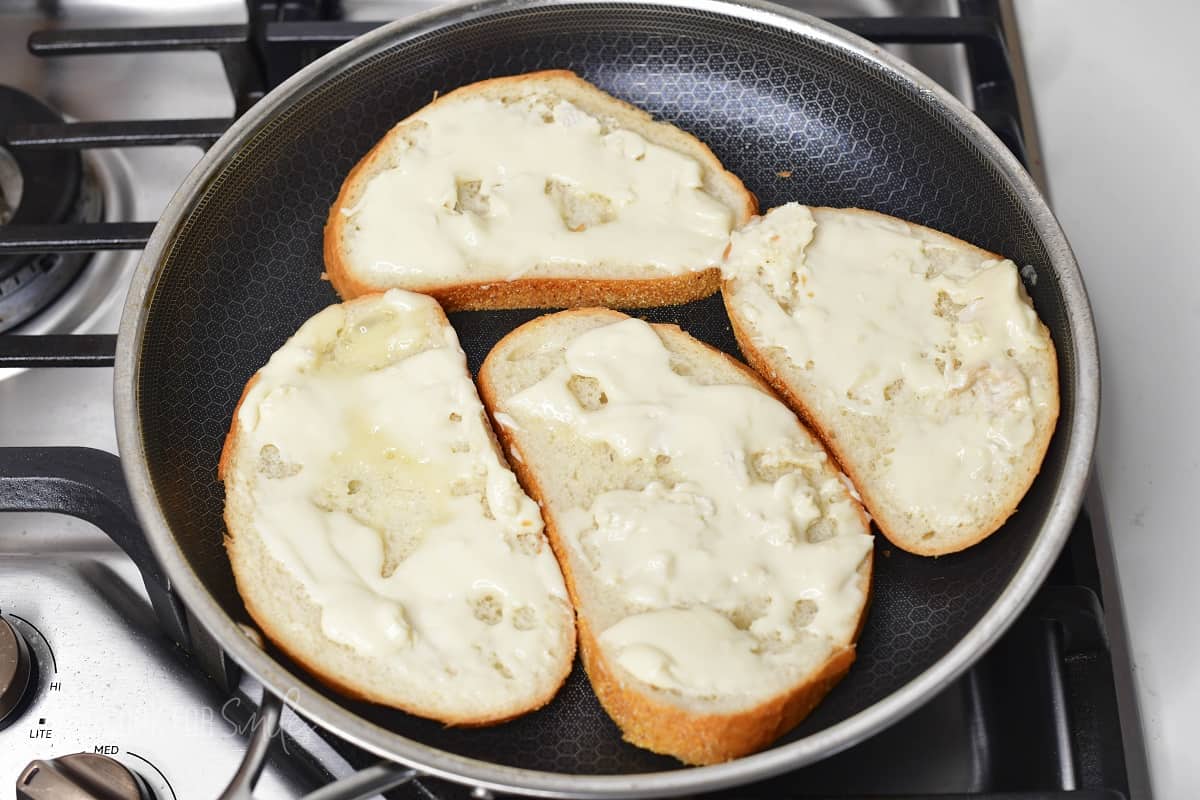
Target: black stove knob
<point x="82" y="776"/>
<point x="16" y="671"/>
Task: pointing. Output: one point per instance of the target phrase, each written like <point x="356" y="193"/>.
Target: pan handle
<point x="266" y="727"/>
<point x="367" y="782"/>
<point x="87" y="483"/>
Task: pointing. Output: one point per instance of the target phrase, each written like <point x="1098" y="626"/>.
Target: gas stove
<point x="105" y="688"/>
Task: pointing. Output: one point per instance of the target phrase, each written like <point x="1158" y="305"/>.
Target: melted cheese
<point x="699" y="651"/>
<point x="897" y="326"/>
<point x="495" y="190"/>
<point x="379" y="491"/>
<point x="748" y="547"/>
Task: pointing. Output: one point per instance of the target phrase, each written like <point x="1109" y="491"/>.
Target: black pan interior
<point x="245" y="270"/>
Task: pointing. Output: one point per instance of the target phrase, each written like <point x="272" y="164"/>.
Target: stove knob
<point x="16" y="669"/>
<point x="82" y="776"/>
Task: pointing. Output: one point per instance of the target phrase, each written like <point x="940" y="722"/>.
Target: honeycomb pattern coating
<point x="244" y="273"/>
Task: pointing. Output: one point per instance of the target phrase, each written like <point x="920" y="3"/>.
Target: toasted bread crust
<point x="567" y="293"/>
<point x="767" y="367"/>
<point x="537" y="292"/>
<point x="645" y="720"/>
<point x="703" y="738"/>
<point x="230" y="445"/>
<point x="248" y="590"/>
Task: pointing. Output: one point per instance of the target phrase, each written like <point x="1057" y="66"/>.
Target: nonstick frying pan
<point x="234" y="267"/>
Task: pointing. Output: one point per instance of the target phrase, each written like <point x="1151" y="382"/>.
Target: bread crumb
<point x="501" y="667"/>
<point x="324" y="276"/>
<point x="803" y="613"/>
<point x="750" y="609"/>
<point x="488" y="609"/>
<point x="820" y="529"/>
<point x="524" y="618"/>
<point x="529" y="542"/>
<point x="272" y="464"/>
<point x="587" y="392"/>
<point x="784" y="173"/>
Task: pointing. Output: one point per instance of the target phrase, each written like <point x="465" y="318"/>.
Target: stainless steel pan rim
<point x="343" y="722"/>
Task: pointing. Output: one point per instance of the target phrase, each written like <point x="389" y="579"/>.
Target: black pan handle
<point x="87" y="483"/>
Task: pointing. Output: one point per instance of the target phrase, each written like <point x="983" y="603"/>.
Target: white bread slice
<point x="535" y="191"/>
<point x="718" y="562"/>
<point x="918" y="359"/>
<point x="375" y="532"/>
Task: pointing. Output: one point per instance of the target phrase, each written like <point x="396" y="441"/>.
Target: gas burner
<point x="59" y="292"/>
<point x="101" y="281"/>
<point x="49" y="187"/>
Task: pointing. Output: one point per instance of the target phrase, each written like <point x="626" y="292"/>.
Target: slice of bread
<point x="717" y="560"/>
<point x="375" y="532"/>
<point x="535" y="191"/>
<point x="917" y="358"/>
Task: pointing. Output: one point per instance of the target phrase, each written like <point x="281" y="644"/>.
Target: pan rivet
<point x="252" y="634"/>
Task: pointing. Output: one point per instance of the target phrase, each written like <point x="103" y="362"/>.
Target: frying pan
<point x="234" y="266"/>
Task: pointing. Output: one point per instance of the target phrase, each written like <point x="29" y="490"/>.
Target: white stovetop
<point x="1116" y="109"/>
<point x="1117" y="105"/>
